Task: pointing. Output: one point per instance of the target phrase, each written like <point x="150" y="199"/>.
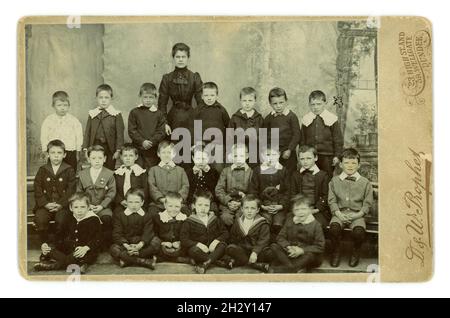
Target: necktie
<point x="127" y="181"/>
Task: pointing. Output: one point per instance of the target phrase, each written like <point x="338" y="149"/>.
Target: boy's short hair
<point x="95" y="148"/>
<point x="61" y="96"/>
<point x="301" y="200"/>
<point x="317" y="95"/>
<point x="136" y="191"/>
<point x="164" y="144"/>
<point x="202" y="194"/>
<point x="174" y="195"/>
<point x="148" y="88"/>
<point x="247" y="91"/>
<point x="251" y="197"/>
<point x="128" y="147"/>
<point x="56" y="143"/>
<point x="79" y="196"/>
<point x="277" y="92"/>
<point x="199" y="148"/>
<point x="350" y="153"/>
<point x="210" y="85"/>
<point x="181" y="47"/>
<point x="307" y="148"/>
<point x="104" y="87"/>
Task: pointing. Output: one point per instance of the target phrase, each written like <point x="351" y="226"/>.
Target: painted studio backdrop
<point x="336" y="57"/>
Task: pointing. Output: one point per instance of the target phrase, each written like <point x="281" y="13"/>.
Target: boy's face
<point x="56" y="155"/>
<point x="317" y="106"/>
<point x="79" y="208"/>
<point x="271" y="157"/>
<point x="201" y="206"/>
<point x="96" y="159"/>
<point x="239" y="156"/>
<point x="278" y="104"/>
<point x="209" y="96"/>
<point x="103" y="99"/>
<point x="250" y="209"/>
<point x="148" y="100"/>
<point x="200" y="158"/>
<point x="302" y="211"/>
<point x="128" y="157"/>
<point x="307" y="159"/>
<point x="173" y="206"/>
<point x="349" y="166"/>
<point x="181" y="59"/>
<point x="134" y="202"/>
<point x="61" y="107"/>
<point x="166" y="154"/>
<point x="248" y="102"/>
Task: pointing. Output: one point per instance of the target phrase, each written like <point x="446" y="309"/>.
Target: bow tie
<point x="277" y="114"/>
<point x="307" y="171"/>
<point x="239" y="168"/>
<point x="350" y="178"/>
<point x="200" y="171"/>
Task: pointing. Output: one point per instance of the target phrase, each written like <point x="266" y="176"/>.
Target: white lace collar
<point x="328" y="118"/>
<point x="135" y="168"/>
<point x="110" y="110"/>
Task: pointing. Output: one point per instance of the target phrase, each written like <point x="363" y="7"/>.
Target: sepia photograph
<point x="201" y="149"/>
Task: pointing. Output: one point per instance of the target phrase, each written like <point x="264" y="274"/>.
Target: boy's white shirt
<point x="68" y="129"/>
<point x="328" y="118"/>
<point x="55" y="168"/>
<point x="315" y="169"/>
<point x="94" y="173"/>
<point x="110" y="110"/>
<point x="343" y="175"/>
<point x="204" y="219"/>
<point x="170" y="163"/>
<point x="165" y="216"/>
<point x="152" y="108"/>
<point x="247" y="224"/>
<point x="285" y="112"/>
<point x="127" y="212"/>
<point x="250" y="113"/>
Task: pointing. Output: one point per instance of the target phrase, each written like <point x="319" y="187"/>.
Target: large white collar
<point x="308" y="220"/>
<point x="170" y="163"/>
<point x="165" y="216"/>
<point x="328" y="118"/>
<point x="110" y="110"/>
<point x="315" y="169"/>
<point x="250" y="113"/>
<point x="343" y="176"/>
<point x="127" y="212"/>
<point x="135" y="168"/>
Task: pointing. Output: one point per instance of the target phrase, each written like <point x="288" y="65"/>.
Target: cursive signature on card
<point x="417" y="201"/>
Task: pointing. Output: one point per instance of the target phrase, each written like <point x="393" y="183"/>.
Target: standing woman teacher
<point x="180" y="85"/>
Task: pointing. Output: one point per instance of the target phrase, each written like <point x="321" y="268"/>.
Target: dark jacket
<point x="167" y="231"/>
<point x="113" y="127"/>
<point x="208" y="182"/>
<point x="84" y="233"/>
<point x="275" y="178"/>
<point x="321" y="181"/>
<point x="307" y="236"/>
<point x="240" y="120"/>
<point x="214" y="116"/>
<point x="146" y="125"/>
<point x="194" y="231"/>
<point x="328" y="140"/>
<point x="180" y="86"/>
<point x="257" y="238"/>
<point x="49" y="187"/>
<point x="132" y="229"/>
<point x="140" y="181"/>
